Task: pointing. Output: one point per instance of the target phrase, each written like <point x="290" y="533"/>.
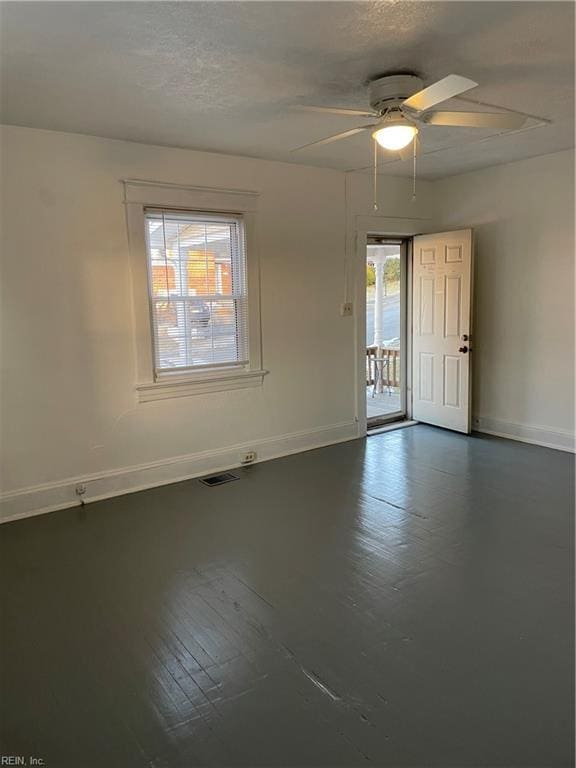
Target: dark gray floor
<point x="401" y="601"/>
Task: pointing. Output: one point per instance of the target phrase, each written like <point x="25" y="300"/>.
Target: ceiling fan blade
<point x="444" y="89"/>
<point x="337" y="111"/>
<point x="476" y="119"/>
<point x="334" y="137"/>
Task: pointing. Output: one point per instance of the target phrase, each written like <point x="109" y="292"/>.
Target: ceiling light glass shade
<point x="396" y="135"/>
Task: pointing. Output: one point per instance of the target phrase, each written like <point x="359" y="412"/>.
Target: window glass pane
<point x="197" y="275"/>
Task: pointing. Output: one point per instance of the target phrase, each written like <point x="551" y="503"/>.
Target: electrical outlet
<point x="248" y="458"/>
<point x="80" y="490"/>
<point x="347" y="309"/>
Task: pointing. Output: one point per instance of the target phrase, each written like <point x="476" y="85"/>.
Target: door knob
<point x="463" y="349"/>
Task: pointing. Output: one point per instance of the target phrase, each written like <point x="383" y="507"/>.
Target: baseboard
<point x="560" y="440"/>
<point x="49" y="497"/>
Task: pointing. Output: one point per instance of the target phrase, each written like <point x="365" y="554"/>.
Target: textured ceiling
<point x="223" y="76"/>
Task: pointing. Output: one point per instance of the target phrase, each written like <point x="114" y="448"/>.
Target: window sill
<point x="200" y="383"/>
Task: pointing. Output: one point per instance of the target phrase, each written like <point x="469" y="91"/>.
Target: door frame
<point x="380" y="226"/>
<point x="405" y="244"/>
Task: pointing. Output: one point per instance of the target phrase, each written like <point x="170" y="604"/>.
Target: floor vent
<point x="226" y="477"/>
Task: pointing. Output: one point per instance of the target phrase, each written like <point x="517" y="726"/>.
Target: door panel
<point x="451" y="381"/>
<point x="442" y="306"/>
<point x="427" y="306"/>
<point x="426" y="388"/>
<point x="452" y="305"/>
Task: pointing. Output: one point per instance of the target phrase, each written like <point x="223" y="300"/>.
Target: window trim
<point x="140" y="195"/>
<point x="201" y="216"/>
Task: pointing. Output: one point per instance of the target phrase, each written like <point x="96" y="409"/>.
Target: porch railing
<point x="389" y="363"/>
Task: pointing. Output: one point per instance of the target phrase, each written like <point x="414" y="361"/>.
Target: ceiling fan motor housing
<point x="392" y="90"/>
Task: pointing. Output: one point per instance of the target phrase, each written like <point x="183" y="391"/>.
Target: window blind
<point x="198" y="289"/>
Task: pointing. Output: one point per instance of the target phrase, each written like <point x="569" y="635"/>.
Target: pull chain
<point x="414" y="172"/>
<point x="375" y="174"/>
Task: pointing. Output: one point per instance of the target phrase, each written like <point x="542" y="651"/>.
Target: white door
<point x="441" y="328"/>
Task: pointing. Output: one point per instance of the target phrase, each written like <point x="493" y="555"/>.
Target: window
<point x="195" y="275"/>
<point x="198" y="290"/>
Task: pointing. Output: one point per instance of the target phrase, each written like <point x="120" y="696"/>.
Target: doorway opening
<point x="385" y="330"/>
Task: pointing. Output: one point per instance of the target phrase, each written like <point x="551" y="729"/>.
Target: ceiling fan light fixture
<point x="396" y="134"/>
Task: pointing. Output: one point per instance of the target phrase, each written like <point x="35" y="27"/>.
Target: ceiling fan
<point x="401" y="107"/>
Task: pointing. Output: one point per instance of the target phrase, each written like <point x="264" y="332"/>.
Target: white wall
<point x="69" y="404"/>
<point x="69" y="407"/>
<point x="523" y="217"/>
<point x="395" y="202"/>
